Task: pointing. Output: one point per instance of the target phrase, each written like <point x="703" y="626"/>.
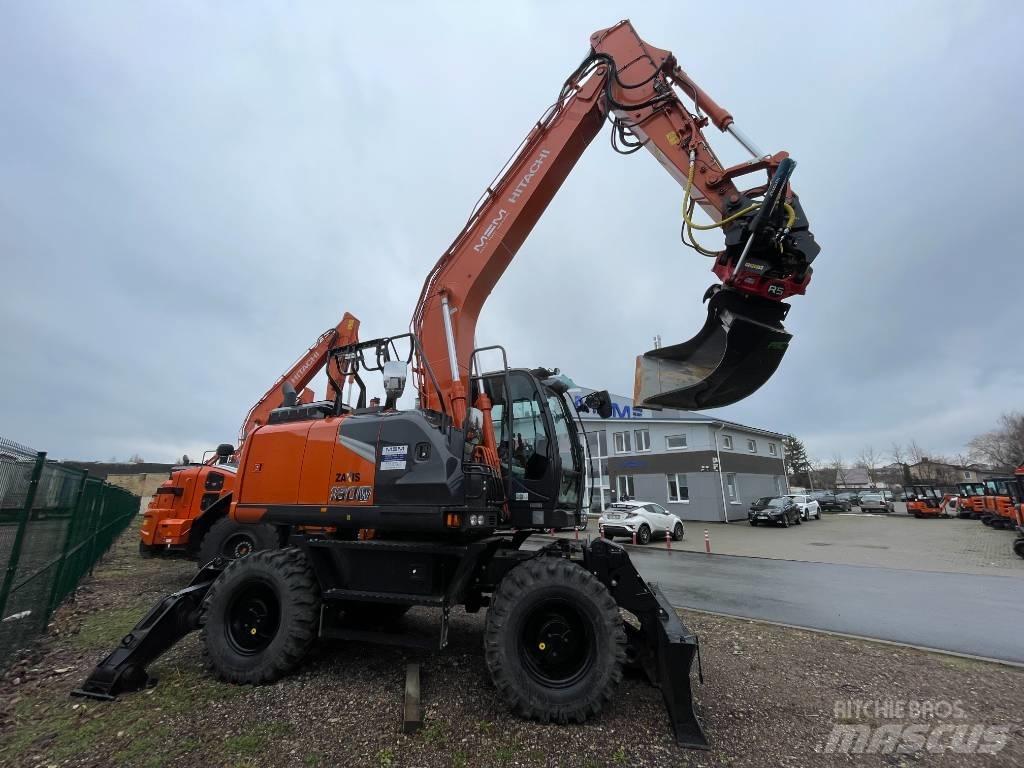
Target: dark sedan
<point x="781" y="510"/>
<point x="830" y="502"/>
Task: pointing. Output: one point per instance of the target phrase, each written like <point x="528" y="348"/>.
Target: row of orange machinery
<point x="997" y="502"/>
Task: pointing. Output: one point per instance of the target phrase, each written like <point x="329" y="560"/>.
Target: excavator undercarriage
<point x="364" y="586"/>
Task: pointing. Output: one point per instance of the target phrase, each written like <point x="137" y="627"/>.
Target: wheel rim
<point x="238" y="545"/>
<point x="678" y="532"/>
<point x="253" y="618"/>
<point x="644" y="535"/>
<point x="556" y="644"/>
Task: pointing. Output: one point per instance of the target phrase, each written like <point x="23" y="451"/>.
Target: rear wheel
<point x="230" y="540"/>
<point x="677" y="532"/>
<point x="643" y="535"/>
<point x="260" y="617"/>
<point x="1018" y="547"/>
<point x="554" y="641"/>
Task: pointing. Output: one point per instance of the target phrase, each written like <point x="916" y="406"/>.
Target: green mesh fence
<point x="55" y="523"/>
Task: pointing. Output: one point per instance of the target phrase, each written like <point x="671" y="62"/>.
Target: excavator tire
<point x="1018" y="547"/>
<point x="554" y="641"/>
<point x="231" y="540"/>
<point x="260" y="617"/>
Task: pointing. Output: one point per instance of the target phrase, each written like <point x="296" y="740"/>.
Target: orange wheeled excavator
<point x="454" y="487"/>
<point x="189" y="511"/>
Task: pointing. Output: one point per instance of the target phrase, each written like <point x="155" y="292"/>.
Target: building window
<point x="675" y="442"/>
<point x="623" y="442"/>
<point x="772" y="449"/>
<point x="643" y="440"/>
<point x="726" y="442"/>
<point x="730" y="483"/>
<point x="752" y="446"/>
<point x="624" y="486"/>
<point x="968" y="475"/>
<point x="678" y="491"/>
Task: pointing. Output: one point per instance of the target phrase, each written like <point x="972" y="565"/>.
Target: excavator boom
<point x="303" y="371"/>
<point x="766" y="257"/>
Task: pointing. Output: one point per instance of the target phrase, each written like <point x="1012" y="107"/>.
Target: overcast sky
<point x="191" y="192"/>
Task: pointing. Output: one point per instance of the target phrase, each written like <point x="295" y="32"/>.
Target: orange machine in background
<point x="927" y="501"/>
<point x="189" y="512"/>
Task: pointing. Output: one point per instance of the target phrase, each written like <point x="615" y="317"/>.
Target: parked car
<point x="852" y="497"/>
<point x="644" y="518"/>
<point x="830" y="502"/>
<point x="809" y="507"/>
<point x="781" y="510"/>
<point x="876" y="502"/>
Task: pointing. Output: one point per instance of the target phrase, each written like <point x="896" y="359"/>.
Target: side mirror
<point x="225" y="449"/>
<point x="600" y="403"/>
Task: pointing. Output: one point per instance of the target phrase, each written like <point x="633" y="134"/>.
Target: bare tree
<point x="136" y="459"/>
<point x="868" y="459"/>
<point x="1003" y="446"/>
<point x="839" y="467"/>
<point x="916" y="452"/>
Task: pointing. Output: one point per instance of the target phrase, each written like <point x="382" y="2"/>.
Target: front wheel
<point x="260" y="617"/>
<point x="554" y="642"/>
<point x="1018" y="547"/>
<point x="753" y="523"/>
<point x="677" y="532"/>
<point x="643" y="535"/>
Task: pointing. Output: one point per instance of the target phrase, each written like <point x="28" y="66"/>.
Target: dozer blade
<point x="124" y="669"/>
<point x="738" y="349"/>
<point x="662" y="645"/>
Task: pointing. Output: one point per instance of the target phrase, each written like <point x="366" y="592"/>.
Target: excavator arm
<point x="766" y="256"/>
<point x="297" y="378"/>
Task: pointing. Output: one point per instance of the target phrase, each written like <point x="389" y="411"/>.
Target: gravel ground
<point x="769" y="699"/>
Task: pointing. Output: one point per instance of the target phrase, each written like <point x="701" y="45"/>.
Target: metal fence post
<point x="72" y="519"/>
<point x="19" y="537"/>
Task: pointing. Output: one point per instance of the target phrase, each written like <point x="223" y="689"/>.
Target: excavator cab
<point x="538" y="447"/>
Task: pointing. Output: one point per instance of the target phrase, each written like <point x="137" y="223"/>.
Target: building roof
<point x="102" y="469"/>
<point x="624" y="410"/>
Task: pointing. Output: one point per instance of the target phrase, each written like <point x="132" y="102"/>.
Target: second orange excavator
<point x="189" y="511"/>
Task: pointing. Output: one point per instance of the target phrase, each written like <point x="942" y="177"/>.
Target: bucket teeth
<point x="738" y="349"/>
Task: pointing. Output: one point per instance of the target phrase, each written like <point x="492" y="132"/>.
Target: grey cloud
<point x="190" y="194"/>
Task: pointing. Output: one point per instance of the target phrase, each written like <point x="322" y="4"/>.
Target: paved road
<point x="965" y="613"/>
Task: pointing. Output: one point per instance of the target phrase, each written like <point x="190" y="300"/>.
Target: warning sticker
<point x="393" y="456"/>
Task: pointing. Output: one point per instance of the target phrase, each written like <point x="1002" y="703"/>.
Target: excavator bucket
<point x="738" y="349"/>
<point x="124" y="669"/>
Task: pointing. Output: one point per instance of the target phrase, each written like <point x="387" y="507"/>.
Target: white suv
<point x="643" y="518"/>
<point x="809" y="508"/>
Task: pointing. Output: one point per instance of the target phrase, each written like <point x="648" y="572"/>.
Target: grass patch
<point x="255" y="741"/>
<point x="60" y="728"/>
<point x="104" y="629"/>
